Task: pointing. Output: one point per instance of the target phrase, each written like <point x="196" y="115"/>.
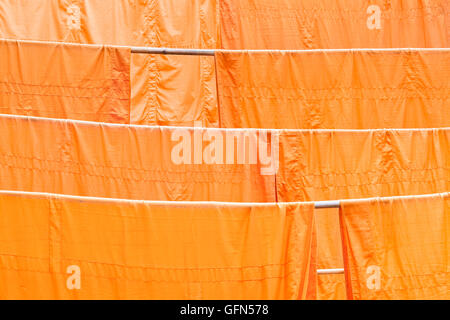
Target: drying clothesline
<point x="212" y="52"/>
<point x="317" y="205"/>
<point x="140" y="126"/>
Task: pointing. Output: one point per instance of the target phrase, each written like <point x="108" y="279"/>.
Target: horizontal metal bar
<point x="327" y="204"/>
<point x="173" y="51"/>
<point x="330" y="271"/>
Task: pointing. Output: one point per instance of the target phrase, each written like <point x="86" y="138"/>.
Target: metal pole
<point x="173" y="51"/>
<point x="327" y="204"/>
<point x="330" y="271"/>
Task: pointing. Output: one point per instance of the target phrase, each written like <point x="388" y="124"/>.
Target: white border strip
<point x="137" y="126"/>
<point x="211" y="52"/>
<point x="317" y="204"/>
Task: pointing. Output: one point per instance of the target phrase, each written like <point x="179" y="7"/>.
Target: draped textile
<point x="65" y="81"/>
<point x="172" y="90"/>
<point x="332" y="165"/>
<point x="317" y="24"/>
<point x="334" y="90"/>
<point x="175" y="90"/>
<point x="123" y="161"/>
<point x="397" y="248"/>
<point x="349" y="164"/>
<point x="55" y="247"/>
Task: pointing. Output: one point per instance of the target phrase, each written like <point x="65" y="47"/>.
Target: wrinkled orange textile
<point x="175" y="90"/>
<point x="311" y="24"/>
<point x="165" y="93"/>
<point x="120" y="161"/>
<point x="334" y="90"/>
<point x="65" y="81"/>
<point x="137" y="250"/>
<point x="81" y="21"/>
<point x="329" y="255"/>
<point x="332" y="165"/>
<point x="398" y="248"/>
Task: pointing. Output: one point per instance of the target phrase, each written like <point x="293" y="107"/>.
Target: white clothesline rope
<point x="317" y="204"/>
<point x="212" y="52"/>
<point x="139" y="126"/>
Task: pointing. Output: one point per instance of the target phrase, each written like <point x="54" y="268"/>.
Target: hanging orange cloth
<point x="175" y="90"/>
<point x="171" y="89"/>
<point x="329" y="255"/>
<point x="123" y="161"/>
<point x="397" y="248"/>
<point x="57" y="247"/>
<point x="164" y="91"/>
<point x="312" y="24"/>
<point x="65" y="81"/>
<point x="334" y="90"/>
<point x="332" y="165"/>
<point x="347" y="164"/>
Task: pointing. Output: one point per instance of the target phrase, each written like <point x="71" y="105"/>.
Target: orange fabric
<point x="173" y="90"/>
<point x="136" y="250"/>
<point x="332" y="165"/>
<point x="329" y="255"/>
<point x="398" y="248"/>
<point x="311" y="24"/>
<point x="331" y="286"/>
<point x="81" y="21"/>
<point x="132" y="162"/>
<point x="65" y="81"/>
<point x="334" y="90"/>
<point x="165" y="93"/>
